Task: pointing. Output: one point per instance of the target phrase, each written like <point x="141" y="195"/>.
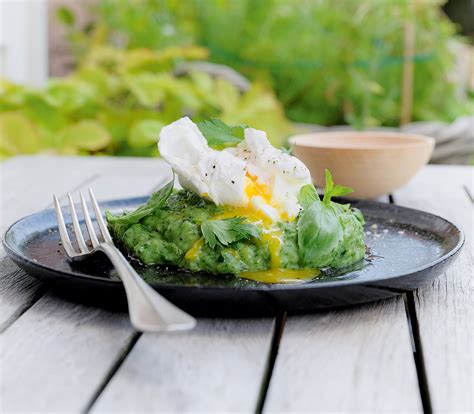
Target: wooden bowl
<point x="372" y="163"/>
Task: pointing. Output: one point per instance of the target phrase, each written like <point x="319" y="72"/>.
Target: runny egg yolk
<point x="254" y="188"/>
<point x="195" y="249"/>
<point x="272" y="236"/>
<point x="282" y="275"/>
<point x="275" y="241"/>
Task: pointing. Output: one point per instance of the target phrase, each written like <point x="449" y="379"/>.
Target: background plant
<point x="117" y="101"/>
<point x="328" y="64"/>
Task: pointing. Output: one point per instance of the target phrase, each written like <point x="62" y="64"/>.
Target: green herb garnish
<point x="319" y="227"/>
<point x="219" y="135"/>
<point x="332" y="190"/>
<point x="307" y="196"/>
<point x="156" y="201"/>
<point x="319" y="232"/>
<point x="228" y="231"/>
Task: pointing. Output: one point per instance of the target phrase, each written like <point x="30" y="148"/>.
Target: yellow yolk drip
<point x="274" y="246"/>
<point x="254" y="188"/>
<point x="195" y="249"/>
<point x="273" y="237"/>
<point x="276" y="274"/>
<point x="282" y="275"/>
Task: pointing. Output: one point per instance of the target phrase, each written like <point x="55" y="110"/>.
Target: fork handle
<point x="149" y="311"/>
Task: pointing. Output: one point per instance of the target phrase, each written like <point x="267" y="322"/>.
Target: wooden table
<point x="412" y="353"/>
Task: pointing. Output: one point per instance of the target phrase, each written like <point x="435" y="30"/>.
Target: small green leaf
<point x="88" y="135"/>
<point x="209" y="231"/>
<point x="328" y="188"/>
<point x="287" y="150"/>
<point x="333" y="191"/>
<point x="65" y="16"/>
<point x="148" y="89"/>
<point x="18" y="134"/>
<point x="119" y="224"/>
<point x="228" y="231"/>
<point x="307" y="196"/>
<point x="319" y="232"/>
<point x="72" y="96"/>
<point x="218" y="134"/>
<point x="40" y="111"/>
<point x="145" y="133"/>
<point x="341" y="190"/>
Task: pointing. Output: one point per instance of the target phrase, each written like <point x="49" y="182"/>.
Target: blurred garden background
<point x="104" y="76"/>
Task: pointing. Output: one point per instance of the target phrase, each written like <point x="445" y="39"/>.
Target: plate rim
<point x="13" y="254"/>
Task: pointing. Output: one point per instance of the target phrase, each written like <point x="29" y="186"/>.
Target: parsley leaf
<point x="228" y="231"/>
<point x="220" y="135"/>
<point x="332" y="190"/>
<point x="119" y="224"/>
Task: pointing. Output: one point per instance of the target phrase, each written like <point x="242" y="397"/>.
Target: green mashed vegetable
<point x="182" y="229"/>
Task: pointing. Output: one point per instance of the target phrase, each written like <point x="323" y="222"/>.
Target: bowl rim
<point x="411" y="140"/>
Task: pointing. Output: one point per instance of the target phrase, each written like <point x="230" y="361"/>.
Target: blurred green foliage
<point x="117" y="101"/>
<point x="329" y="62"/>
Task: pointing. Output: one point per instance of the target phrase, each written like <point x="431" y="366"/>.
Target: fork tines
<point x="66" y="241"/>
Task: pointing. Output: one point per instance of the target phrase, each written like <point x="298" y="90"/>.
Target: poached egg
<point x="253" y="179"/>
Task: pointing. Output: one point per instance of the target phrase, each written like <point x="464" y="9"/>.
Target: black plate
<point x="406" y="248"/>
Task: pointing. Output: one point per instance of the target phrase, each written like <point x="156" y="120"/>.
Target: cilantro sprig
<point x="228" y="231"/>
<point x="158" y="199"/>
<point x="220" y="135"/>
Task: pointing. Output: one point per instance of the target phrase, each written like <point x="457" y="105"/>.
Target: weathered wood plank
<point x="61" y="348"/>
<point x="28" y="183"/>
<point x="217" y="367"/>
<point x="27" y="186"/>
<point x="354" y="360"/>
<point x="56" y="355"/>
<point x="444" y="308"/>
<point x="18" y="291"/>
<point x="56" y="328"/>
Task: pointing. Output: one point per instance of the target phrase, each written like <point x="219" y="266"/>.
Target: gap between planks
<point x="444" y="307"/>
<point x="414" y="331"/>
<point x="272" y="356"/>
<point x="120" y="358"/>
<point x="470" y="196"/>
<point x="217" y="367"/>
<point x="44" y="287"/>
<point x="105" y="175"/>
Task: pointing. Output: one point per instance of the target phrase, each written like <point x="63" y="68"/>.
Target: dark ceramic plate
<point x="406" y="248"/>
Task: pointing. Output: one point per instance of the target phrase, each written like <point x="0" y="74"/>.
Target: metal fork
<point x="149" y="311"/>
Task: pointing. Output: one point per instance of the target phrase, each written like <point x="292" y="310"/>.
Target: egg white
<point x="253" y="176"/>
